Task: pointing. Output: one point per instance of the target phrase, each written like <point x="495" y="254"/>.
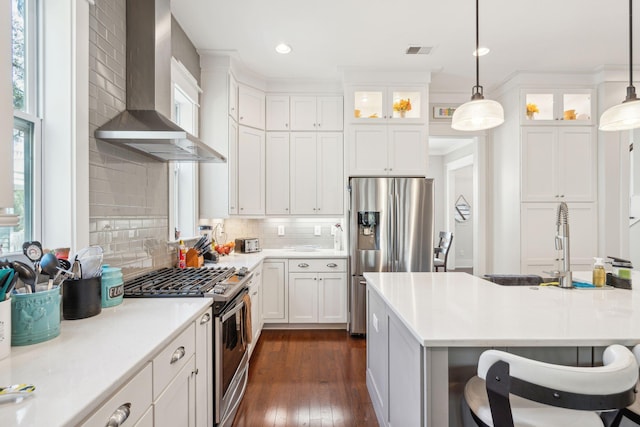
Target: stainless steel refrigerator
<point x="390" y="229"/>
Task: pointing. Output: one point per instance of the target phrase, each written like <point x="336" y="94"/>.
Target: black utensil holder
<point x="81" y="298"/>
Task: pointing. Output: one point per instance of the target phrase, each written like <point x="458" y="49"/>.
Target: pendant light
<point x="626" y="115"/>
<point x="479" y="113"/>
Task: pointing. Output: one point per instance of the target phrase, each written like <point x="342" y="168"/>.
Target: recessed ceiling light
<point x="482" y="51"/>
<point x="283" y="48"/>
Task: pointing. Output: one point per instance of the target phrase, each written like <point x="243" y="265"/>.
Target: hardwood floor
<point x="307" y="378"/>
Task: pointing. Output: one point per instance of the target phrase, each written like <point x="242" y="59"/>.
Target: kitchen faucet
<point x="562" y="243"/>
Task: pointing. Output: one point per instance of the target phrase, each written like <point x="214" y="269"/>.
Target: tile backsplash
<point x="297" y="231"/>
<point x="128" y="192"/>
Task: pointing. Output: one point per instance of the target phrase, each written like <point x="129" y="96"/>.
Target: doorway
<point x="457" y="165"/>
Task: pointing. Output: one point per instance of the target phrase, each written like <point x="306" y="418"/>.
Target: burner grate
<point x="176" y="282"/>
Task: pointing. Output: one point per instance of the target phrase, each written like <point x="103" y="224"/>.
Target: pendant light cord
<point x="478" y="45"/>
<point x="631" y="90"/>
<point x="477" y="92"/>
<point x="630" y="43"/>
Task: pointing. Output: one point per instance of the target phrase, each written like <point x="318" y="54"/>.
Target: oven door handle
<point x="237" y="308"/>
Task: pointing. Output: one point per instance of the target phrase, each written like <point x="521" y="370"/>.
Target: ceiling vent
<point x="419" y="50"/>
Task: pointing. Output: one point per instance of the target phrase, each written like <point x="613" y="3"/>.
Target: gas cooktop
<point x="187" y="282"/>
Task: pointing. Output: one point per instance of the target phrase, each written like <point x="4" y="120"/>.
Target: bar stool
<point x="511" y="390"/>
<point x="631" y="412"/>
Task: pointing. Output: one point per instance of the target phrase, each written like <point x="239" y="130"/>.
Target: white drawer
<point x="168" y="363"/>
<point x="317" y="265"/>
<point x="134" y="398"/>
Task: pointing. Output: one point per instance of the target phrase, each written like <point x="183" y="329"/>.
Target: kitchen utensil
<point x="90" y="259"/>
<point x="26" y="274"/>
<point x="76" y="269"/>
<point x="32" y="250"/>
<point x="17" y="389"/>
<point x="52" y="266"/>
<point x="6" y="283"/>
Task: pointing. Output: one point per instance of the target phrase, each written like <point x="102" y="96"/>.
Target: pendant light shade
<point x="479" y="113"/>
<point x="624" y="116"/>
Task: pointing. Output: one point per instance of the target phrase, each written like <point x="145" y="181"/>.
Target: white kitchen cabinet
<point x="275" y="292"/>
<point x="277" y="113"/>
<point x="303" y="298"/>
<point x="251" y="107"/>
<point x="204" y="369"/>
<point x="538" y="231"/>
<point x="233" y="98"/>
<point x="134" y="399"/>
<point x="255" y="293"/>
<point x="558" y="164"/>
<point x="277" y="173"/>
<point x="251" y="171"/>
<point x="176" y="405"/>
<point x="387" y="150"/>
<point x="566" y="106"/>
<point x="332" y="298"/>
<point x="316" y="113"/>
<point x="316" y="176"/>
<point x="232" y="164"/>
<point x="317" y="291"/>
<point x="375" y="104"/>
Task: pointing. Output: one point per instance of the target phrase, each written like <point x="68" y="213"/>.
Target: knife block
<point x="193" y="260"/>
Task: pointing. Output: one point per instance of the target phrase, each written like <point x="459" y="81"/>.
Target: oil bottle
<point x="599" y="274"/>
<point x="182" y="255"/>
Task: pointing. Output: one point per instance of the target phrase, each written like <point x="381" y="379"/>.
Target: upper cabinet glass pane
<point x="406" y="104"/>
<point x="367" y="105"/>
<point x="577" y="106"/>
<point x="539" y="106"/>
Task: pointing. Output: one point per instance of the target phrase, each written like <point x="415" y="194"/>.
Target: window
<point x="184" y="183"/>
<point x="26" y="123"/>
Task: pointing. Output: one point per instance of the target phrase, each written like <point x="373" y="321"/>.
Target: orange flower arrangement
<point x="402" y="105"/>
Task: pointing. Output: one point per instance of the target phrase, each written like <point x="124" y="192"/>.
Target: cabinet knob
<point x="241" y="117"/>
<point x="233" y="108"/>
<point x="314" y="125"/>
<point x="332" y="265"/>
<point x="315" y="278"/>
<point x="286" y="209"/>
<point x="177" y="355"/>
<point x="286" y="125"/>
<point x="303" y="265"/>
<point x="232" y="207"/>
<point x="562" y="195"/>
<point x="119" y="416"/>
<point x="195" y="372"/>
<point x="318" y="124"/>
<point x="205" y="319"/>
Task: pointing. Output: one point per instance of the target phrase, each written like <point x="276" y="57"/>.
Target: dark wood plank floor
<point x="307" y="378"/>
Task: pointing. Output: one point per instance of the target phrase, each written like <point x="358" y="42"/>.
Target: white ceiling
<point x="329" y="36"/>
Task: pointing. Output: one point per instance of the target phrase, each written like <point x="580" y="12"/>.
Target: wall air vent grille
<point x="418" y="50"/>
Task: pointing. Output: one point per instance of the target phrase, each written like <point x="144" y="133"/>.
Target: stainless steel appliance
<point x="390" y="229"/>
<point x="227" y="288"/>
<point x="247" y="245"/>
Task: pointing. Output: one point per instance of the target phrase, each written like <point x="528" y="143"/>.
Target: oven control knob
<point x="219" y="289"/>
<point x="243" y="271"/>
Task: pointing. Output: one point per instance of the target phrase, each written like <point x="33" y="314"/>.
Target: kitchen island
<point x="425" y="332"/>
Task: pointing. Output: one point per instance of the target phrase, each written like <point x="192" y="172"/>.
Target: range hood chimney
<point x="144" y="126"/>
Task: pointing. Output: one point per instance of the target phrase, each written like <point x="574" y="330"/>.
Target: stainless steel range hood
<point x="144" y="126"/>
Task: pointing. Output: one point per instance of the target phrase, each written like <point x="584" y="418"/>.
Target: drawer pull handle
<point x="178" y="354"/>
<point x="303" y="265"/>
<point x="363" y="282"/>
<point x="205" y="319"/>
<point x="332" y="265"/>
<point x="119" y="416"/>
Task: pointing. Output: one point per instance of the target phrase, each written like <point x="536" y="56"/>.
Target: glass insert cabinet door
<point x="570" y="106"/>
<point x="387" y="103"/>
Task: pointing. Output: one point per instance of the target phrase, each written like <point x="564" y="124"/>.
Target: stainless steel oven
<point x="227" y="287"/>
<point x="231" y="363"/>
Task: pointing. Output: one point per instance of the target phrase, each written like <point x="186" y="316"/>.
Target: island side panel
<point x="378" y="356"/>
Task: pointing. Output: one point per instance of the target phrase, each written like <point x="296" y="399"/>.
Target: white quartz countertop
<point x="90" y="359"/>
<point x="460" y="310"/>
<point x="252" y="260"/>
